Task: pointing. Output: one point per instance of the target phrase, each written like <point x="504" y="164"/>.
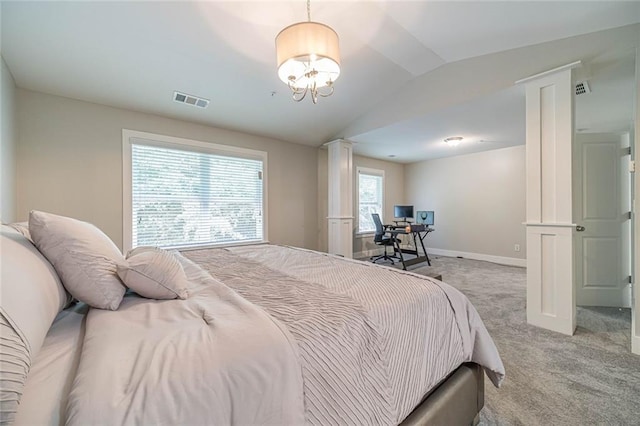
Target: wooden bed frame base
<point x="456" y="401"/>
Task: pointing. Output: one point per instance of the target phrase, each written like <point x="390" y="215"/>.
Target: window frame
<point x="131" y="137"/>
<point x="370" y="172"/>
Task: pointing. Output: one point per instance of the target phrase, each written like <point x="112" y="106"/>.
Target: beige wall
<point x="69" y="162"/>
<point x="7" y="146"/>
<point x="478" y="199"/>
<point x="393" y="194"/>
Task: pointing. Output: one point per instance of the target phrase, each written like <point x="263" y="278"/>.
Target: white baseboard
<point x="635" y="336"/>
<point x="511" y="261"/>
<point x="367" y="253"/>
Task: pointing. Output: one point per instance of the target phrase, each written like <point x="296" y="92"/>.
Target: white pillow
<point x="84" y="257"/>
<point x="141" y="249"/>
<point x="155" y="274"/>
<point x="23" y="228"/>
<point x="31" y="295"/>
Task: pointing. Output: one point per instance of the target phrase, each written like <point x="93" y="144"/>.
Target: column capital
<point x="338" y="141"/>
<point x="576" y="64"/>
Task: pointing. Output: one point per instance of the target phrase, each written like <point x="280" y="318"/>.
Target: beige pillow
<point x="141" y="249"/>
<point x="31" y="295"/>
<point x="84" y="257"/>
<point x="155" y="274"/>
<point x="23" y="228"/>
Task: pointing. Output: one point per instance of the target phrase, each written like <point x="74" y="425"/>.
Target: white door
<point x="601" y="204"/>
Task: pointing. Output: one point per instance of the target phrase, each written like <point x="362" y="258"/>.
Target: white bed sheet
<point x="212" y="359"/>
<point x="47" y="387"/>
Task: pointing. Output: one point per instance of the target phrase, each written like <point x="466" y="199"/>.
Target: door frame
<point x="635" y="302"/>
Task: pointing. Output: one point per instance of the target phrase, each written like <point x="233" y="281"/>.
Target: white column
<point x="549" y="137"/>
<point x="340" y="206"/>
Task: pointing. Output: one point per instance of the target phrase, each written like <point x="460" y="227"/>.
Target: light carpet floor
<point x="590" y="378"/>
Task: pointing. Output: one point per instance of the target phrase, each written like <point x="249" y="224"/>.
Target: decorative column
<point x="551" y="301"/>
<point x="340" y="208"/>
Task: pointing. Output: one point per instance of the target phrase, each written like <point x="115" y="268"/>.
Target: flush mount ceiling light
<point x="308" y="57"/>
<point x="453" y="141"/>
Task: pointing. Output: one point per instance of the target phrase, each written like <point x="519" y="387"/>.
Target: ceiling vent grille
<point x="582" y="88"/>
<point x="183" y="98"/>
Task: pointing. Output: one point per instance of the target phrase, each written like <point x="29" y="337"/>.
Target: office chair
<point x="380" y="239"/>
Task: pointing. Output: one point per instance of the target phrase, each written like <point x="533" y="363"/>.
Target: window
<point x="370" y="197"/>
<point x="181" y="193"/>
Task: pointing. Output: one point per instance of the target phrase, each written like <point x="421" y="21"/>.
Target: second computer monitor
<point x="425" y="218"/>
<point x="403" y="212"/>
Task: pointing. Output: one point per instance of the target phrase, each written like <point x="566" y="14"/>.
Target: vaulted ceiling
<point x="412" y="72"/>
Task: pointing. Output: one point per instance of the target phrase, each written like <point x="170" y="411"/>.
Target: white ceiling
<point x="412" y="72"/>
<point x="475" y="121"/>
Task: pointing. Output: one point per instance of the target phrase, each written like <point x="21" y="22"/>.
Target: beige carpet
<point x="552" y="379"/>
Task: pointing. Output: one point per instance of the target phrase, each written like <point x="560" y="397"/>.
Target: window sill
<point x="217" y="245"/>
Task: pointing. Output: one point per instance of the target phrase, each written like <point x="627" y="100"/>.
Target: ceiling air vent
<point x="582" y="87"/>
<point x="183" y="98"/>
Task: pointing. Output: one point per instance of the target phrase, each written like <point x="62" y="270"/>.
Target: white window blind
<point x="183" y="197"/>
<point x="370" y="197"/>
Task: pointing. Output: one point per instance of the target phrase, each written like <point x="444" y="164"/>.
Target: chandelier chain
<point x="309" y="10"/>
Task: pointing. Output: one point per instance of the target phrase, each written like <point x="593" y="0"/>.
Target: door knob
<point x="580" y="228"/>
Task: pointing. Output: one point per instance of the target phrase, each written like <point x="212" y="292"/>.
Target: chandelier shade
<point x="308" y="53"/>
<point x="308" y="58"/>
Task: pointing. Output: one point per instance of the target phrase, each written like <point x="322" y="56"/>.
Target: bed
<point x="267" y="335"/>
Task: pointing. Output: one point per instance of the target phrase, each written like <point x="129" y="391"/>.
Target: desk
<point x="419" y="231"/>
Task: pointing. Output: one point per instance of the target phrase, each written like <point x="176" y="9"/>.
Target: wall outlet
<point x="516" y="247"/>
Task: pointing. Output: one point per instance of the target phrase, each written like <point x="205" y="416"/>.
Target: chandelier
<point x="308" y="58"/>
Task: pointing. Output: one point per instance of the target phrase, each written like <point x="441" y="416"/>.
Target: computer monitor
<point x="424" y="217"/>
<point x="403" y="212"/>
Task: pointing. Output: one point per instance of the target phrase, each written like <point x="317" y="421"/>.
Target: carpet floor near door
<point x="588" y="379"/>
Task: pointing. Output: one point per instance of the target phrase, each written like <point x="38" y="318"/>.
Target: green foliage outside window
<point x="183" y="198"/>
